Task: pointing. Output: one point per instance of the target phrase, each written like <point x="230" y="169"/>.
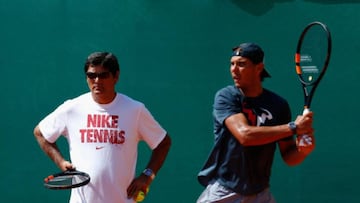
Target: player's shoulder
<point x="130" y="104"/>
<point x="72" y="103"/>
<point x="228" y="95"/>
<point x="229" y="90"/>
<point x="127" y="100"/>
<point x="83" y="98"/>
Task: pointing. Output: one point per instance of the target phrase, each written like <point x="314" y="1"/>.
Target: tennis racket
<point x="66" y="180"/>
<point x="312" y="58"/>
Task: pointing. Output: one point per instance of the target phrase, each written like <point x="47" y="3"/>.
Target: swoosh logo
<point x="97" y="148"/>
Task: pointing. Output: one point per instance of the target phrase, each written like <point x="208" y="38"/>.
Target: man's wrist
<point x="149" y="173"/>
<point x="292" y="126"/>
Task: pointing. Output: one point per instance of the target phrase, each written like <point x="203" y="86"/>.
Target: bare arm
<point x="51" y="150"/>
<point x="159" y="154"/>
<point x="293" y="152"/>
<point x="157" y="159"/>
<point x="249" y="135"/>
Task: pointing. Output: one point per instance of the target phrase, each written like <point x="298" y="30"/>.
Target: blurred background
<point x="174" y="56"/>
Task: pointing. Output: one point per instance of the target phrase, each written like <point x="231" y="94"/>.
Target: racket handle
<point x="306" y="110"/>
<point x="306" y="140"/>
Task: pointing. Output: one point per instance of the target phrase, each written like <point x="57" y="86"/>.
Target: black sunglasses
<point x="102" y="75"/>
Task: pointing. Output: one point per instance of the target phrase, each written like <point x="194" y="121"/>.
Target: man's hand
<point x="140" y="183"/>
<point x="304" y="124"/>
<point x="305" y="143"/>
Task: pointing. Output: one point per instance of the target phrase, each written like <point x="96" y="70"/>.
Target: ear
<point x="260" y="67"/>
<point x="117" y="76"/>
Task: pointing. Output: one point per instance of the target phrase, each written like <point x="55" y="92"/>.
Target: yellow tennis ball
<point x="141" y="195"/>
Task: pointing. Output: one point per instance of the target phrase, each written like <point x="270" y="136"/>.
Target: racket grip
<point x="306" y="140"/>
<point x="47" y="179"/>
<point x="306" y="110"/>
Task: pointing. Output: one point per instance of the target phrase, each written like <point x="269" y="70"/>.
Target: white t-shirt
<point x="103" y="142"/>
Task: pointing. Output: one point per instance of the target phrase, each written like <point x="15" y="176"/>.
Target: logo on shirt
<point x="102" y="128"/>
<point x="265" y="115"/>
<point x="258" y="117"/>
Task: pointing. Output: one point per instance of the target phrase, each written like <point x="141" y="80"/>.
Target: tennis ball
<point x="141" y="195"/>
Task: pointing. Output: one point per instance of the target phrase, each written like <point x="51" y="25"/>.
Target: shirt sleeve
<point x="227" y="102"/>
<point x="54" y="124"/>
<point x="149" y="129"/>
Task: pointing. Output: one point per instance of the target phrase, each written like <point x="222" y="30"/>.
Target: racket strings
<point x="68" y="180"/>
<point x="312" y="58"/>
<point x="313" y="54"/>
<point x="78" y="179"/>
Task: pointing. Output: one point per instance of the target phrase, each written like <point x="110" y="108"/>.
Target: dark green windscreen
<point x="174" y="56"/>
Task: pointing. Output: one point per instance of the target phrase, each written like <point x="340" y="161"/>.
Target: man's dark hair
<point x="104" y="59"/>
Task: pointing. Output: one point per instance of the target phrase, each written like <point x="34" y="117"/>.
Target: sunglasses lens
<point x="102" y="75"/>
<point x="91" y="75"/>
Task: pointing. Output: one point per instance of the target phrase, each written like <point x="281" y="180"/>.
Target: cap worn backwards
<point x="253" y="52"/>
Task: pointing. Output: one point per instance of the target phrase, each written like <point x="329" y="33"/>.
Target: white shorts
<point x="220" y="194"/>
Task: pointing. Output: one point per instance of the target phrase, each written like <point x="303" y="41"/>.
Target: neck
<point x="252" y="92"/>
<point x="104" y="99"/>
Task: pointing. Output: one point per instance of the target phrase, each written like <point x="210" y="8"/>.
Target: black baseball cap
<point x="253" y="52"/>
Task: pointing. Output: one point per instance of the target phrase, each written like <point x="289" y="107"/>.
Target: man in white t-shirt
<point x="103" y="129"/>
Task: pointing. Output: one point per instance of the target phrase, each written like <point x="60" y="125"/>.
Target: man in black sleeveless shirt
<point x="249" y="122"/>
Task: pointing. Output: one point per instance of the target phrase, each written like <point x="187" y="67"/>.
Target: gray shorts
<point x="220" y="194"/>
